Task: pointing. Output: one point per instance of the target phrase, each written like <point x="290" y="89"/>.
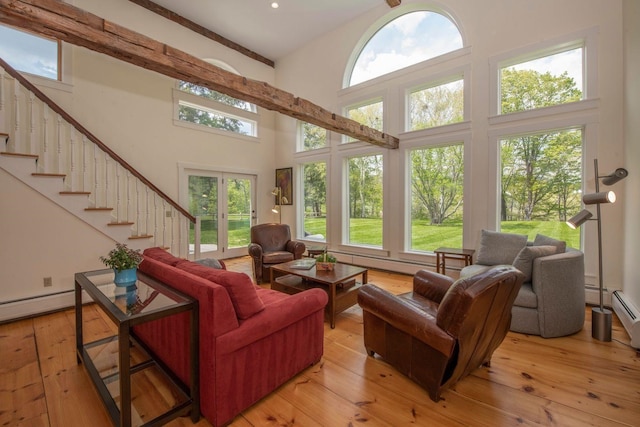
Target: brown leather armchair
<point x="271" y="244"/>
<point x="443" y="330"/>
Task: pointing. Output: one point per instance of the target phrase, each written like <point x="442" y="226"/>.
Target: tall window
<point x="436" y="105"/>
<point x="216" y="110"/>
<point x="30" y="53"/>
<point x="541" y="182"/>
<point x="406" y="40"/>
<point x="370" y="115"/>
<point x="311" y="137"/>
<point x="436" y="176"/>
<point x="542" y="82"/>
<point x="365" y="200"/>
<point x="315" y="200"/>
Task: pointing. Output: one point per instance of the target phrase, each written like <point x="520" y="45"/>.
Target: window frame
<point x="586" y="39"/>
<point x="181" y="97"/>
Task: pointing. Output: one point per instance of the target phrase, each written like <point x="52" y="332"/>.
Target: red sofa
<point x="252" y="340"/>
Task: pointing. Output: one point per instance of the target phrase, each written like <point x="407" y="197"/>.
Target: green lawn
<point x="426" y="237"/>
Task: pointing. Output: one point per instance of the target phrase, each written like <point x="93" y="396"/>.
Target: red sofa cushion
<point x="241" y="289"/>
<point x="161" y="255"/>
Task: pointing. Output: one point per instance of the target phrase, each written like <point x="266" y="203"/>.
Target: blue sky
<point x="29" y="53"/>
<point x="407" y="40"/>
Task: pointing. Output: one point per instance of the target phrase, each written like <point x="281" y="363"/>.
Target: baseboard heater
<point x="629" y="315"/>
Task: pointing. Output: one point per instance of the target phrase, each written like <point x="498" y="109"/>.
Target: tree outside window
<point x="541" y="184"/>
<point x="209" y="113"/>
<point x="365" y="200"/>
<point x="436" y="106"/>
<point x="437" y="183"/>
<point x="312" y="136"/>
<point x="370" y="115"/>
<point x="315" y="199"/>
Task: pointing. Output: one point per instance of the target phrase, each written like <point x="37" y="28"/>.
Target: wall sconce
<point x="280" y="199"/>
<point x="600" y="316"/>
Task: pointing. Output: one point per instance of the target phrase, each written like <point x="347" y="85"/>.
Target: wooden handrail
<point x="26" y="83"/>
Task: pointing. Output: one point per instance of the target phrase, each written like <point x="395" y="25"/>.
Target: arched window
<point x="406" y="40"/>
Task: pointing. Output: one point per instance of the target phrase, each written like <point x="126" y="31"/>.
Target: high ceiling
<point x="270" y="32"/>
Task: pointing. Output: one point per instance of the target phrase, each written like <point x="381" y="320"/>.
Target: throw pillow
<point x="241" y="289"/>
<point x="524" y="260"/>
<point x="499" y="248"/>
<point x="209" y="262"/>
<point x="560" y="245"/>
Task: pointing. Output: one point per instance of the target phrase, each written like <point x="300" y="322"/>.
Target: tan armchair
<point x="443" y="330"/>
<point x="271" y="244"/>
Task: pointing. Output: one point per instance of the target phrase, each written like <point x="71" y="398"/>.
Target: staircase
<point x="45" y="148"/>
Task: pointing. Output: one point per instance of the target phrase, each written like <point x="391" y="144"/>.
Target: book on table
<point x="303" y="264"/>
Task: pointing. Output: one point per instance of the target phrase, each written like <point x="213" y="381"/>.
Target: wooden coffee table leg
<point x="332" y="305"/>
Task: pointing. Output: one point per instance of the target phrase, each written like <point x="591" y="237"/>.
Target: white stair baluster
<point x="43" y="163"/>
<point x="72" y="160"/>
<point x="16" y="117"/>
<point x="3" y="112"/>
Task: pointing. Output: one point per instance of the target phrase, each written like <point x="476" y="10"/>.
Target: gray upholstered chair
<point x="551" y="301"/>
<point x="271" y="244"/>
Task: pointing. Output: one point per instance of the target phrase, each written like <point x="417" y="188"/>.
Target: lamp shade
<point x="615" y="176"/>
<point x="580" y="218"/>
<point x="597" y="198"/>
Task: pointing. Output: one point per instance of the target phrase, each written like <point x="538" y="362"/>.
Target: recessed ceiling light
<point x="275" y="5"/>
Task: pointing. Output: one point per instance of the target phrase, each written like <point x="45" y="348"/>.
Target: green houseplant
<point x="124" y="262"/>
<point x="325" y="262"/>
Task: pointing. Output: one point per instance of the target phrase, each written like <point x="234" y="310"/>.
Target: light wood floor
<point x="570" y="381"/>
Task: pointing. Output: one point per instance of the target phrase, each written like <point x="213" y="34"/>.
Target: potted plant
<point x="124" y="262"/>
<point x="325" y="262"/>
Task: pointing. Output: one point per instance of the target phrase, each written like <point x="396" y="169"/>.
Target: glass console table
<point x="122" y="368"/>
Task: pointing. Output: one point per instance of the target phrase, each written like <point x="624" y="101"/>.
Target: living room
<point x="132" y="110"/>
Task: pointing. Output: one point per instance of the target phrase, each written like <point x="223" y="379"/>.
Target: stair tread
<point x="98" y="209"/>
<point x="143" y="236"/>
<point x="31" y="156"/>
<point x="120" y="223"/>
<point x="75" y="193"/>
<point x="52" y="175"/>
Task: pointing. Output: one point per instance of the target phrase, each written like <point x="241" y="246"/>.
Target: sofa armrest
<point x="558" y="282"/>
<point x="431" y="285"/>
<point x="405" y="317"/>
<point x="255" y="250"/>
<point x="296" y="248"/>
<point x="276" y="316"/>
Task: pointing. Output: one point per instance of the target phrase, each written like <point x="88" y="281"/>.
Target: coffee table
<point x="340" y="284"/>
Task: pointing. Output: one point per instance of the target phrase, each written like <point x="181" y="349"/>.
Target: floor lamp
<point x="280" y="199"/>
<point x="600" y="316"/>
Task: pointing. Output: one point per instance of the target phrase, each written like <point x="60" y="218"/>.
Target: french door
<point x="225" y="204"/>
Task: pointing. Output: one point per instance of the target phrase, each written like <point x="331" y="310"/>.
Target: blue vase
<point x="125" y="277"/>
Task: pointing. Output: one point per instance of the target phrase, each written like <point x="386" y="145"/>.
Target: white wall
<point x="131" y="110"/>
<point x="489" y="32"/>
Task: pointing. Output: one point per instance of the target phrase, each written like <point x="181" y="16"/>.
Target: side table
<point x="115" y="377"/>
<point x="442" y="254"/>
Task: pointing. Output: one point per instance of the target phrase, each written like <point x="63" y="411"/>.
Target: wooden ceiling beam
<point x="172" y="16"/>
<point x="57" y="19"/>
<point x="394" y="3"/>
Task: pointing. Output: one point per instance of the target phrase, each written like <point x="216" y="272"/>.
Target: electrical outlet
<point x="48" y="282"/>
